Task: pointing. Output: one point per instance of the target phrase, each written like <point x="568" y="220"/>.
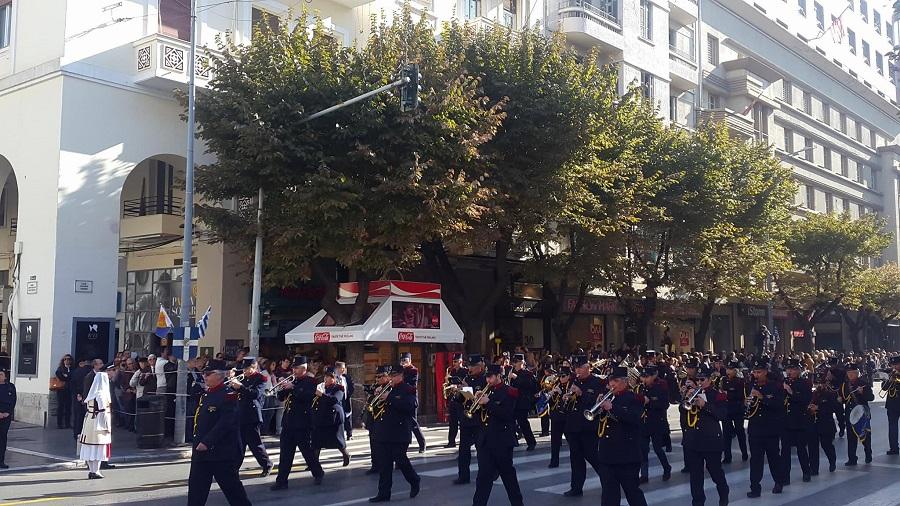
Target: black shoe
<point x="414" y="489"/>
<point x="786" y="483"/>
<point x="850" y="463"/>
<point x="684" y="470"/>
<point x="667" y="473"/>
<point x="529" y="448"/>
<point x="643" y="480"/>
<point x="279" y="486"/>
<point x="371" y="470"/>
<point x="745" y="457"/>
<point x="754" y="494"/>
<point x="573" y="493"/>
<point x="450" y="445"/>
<point x="107" y="465"/>
<point x="346" y="460"/>
<point x="4" y="465"/>
<point x="831" y="467"/>
<point x="777" y="488"/>
<point x="317" y="480"/>
<point x="553" y="465"/>
<point x="807" y="478"/>
<point x="723" y="502"/>
<point x="893" y="452"/>
<point x="868" y="458"/>
<point x="379" y="498"/>
<point x="422" y="449"/>
<point x="94" y="476"/>
<point x="461" y="481"/>
<point x="266" y="470"/>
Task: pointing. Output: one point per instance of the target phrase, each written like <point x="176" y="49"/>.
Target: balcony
<point x="738" y="125"/>
<point x="683" y="11"/>
<point x="151" y="220"/>
<point x="589" y="25"/>
<point x="682" y="61"/>
<point x="161" y="62"/>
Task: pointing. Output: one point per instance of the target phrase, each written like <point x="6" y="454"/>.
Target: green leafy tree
<point x="872" y="301"/>
<point x="357" y="190"/>
<point x="829" y="252"/>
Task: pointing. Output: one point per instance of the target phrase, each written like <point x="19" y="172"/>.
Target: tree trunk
<point x="323" y="270"/>
<point x="649" y="305"/>
<point x="855" y="326"/>
<point x="705" y="320"/>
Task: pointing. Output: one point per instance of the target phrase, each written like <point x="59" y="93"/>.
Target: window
<point x="859" y="129"/>
<point x="809" y="150"/>
<point x="801" y="7"/>
<point x="866" y="55"/>
<point x="175" y="19"/>
<point x="820" y="15"/>
<point x="259" y="16"/>
<point x="845" y="166"/>
<point x="787" y="92"/>
<point x="876" y="20"/>
<point x="5" y="22"/>
<point x="846" y="205"/>
<point x="851" y="40"/>
<point x="842" y="119"/>
<point x="889" y="31"/>
<point x="864" y="10"/>
<point x="810" y="198"/>
<point x="879" y="63"/>
<point x="715" y="101"/>
<point x="472" y="9"/>
<point x="646" y="20"/>
<point x="807" y="102"/>
<point x="145" y="292"/>
<point x="826" y="152"/>
<point x="829" y="203"/>
<point x="761" y="122"/>
<point x="509" y="13"/>
<point x="826" y="113"/>
<point x="647" y="84"/>
<point x="873" y="180"/>
<point x="712" y="50"/>
<point x="789" y="140"/>
<point x="673" y="108"/>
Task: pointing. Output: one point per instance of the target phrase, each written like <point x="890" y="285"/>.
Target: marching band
<point x="611" y="412"/>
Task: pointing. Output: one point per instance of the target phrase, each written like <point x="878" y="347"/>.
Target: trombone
<point x="475" y="406"/>
<point x="890" y="385"/>
<point x="278" y="387"/>
<point x="591" y="414"/>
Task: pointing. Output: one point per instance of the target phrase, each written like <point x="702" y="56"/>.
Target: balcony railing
<point x="584" y="8"/>
<point x="150" y="206"/>
<point x="682" y="53"/>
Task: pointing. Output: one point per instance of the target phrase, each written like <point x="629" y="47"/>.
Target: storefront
<point x="751" y="317"/>
<point x="521" y="319"/>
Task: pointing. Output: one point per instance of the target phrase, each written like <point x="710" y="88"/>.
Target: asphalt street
<point x="161" y="484"/>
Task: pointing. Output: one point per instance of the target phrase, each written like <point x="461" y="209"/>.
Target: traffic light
<point x="409" y="90"/>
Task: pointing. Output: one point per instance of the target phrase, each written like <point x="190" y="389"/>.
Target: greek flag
<point x="203" y="322"/>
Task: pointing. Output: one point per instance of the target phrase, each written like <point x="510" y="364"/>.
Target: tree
<point x="359" y="189"/>
<point x="828" y="251"/>
<point x="874" y="297"/>
<point x="752" y="194"/>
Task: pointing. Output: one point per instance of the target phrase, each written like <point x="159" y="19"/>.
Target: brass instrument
<point x="475" y="406"/>
<point x="751" y="403"/>
<point x="319" y="388"/>
<point x="689" y="401"/>
<point x="569" y="398"/>
<point x="890" y="385"/>
<point x="377" y="404"/>
<point x="278" y="387"/>
<point x="591" y="414"/>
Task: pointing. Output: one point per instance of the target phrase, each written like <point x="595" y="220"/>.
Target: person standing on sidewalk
<point x="96" y="433"/>
<point x="78" y="392"/>
<point x="64" y="394"/>
<point x="7" y="407"/>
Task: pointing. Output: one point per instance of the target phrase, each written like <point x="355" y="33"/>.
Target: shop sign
<point x="406" y="337"/>
<point x="322" y="337"/>
<point x="798" y="334"/>
<point x="592" y="305"/>
<point x="751" y="311"/>
<point x="526" y="306"/>
<point x="684" y="340"/>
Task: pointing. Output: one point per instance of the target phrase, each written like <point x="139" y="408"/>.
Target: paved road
<point x="166" y="483"/>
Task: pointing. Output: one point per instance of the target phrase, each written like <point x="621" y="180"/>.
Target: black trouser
<point x="387" y="455"/>
<point x="170" y="413"/>
<point x="893" y="419"/>
<point x="420" y="438"/>
<point x="696" y="461"/>
<point x="790" y="439"/>
<point x="453" y="429"/>
<point x="826" y="440"/>
<point x="557" y="428"/>
<point x="582" y="450"/>
<point x="348" y="425"/>
<point x="467" y="438"/>
<point x="225" y="474"/>
<point x="250" y="437"/>
<point x="733" y="426"/>
<point x="77" y="416"/>
<point x="841" y="420"/>
<point x="63" y="409"/>
<point x="525" y="427"/>
<point x="4" y="433"/>
<point x="764" y="449"/>
<point x="291" y="440"/>
<point x="853" y="440"/>
<point x="545" y="425"/>
<point x="491" y="463"/>
<point x="658" y="448"/>
<point x="614" y="476"/>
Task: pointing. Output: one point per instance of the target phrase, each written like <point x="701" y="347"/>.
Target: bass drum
<point x="858" y="413"/>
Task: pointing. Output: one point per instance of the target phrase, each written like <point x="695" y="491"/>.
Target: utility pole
<point x="257" y="279"/>
<point x="185" y="314"/>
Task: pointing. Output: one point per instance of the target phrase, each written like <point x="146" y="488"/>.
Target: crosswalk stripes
<point x="888" y="496"/>
<point x="796" y="490"/>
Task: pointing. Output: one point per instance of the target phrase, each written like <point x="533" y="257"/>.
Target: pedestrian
<point x="96" y="433"/>
<point x="64" y="394"/>
<point x="733" y="426"/>
<point x="582" y="434"/>
<point x="270" y="403"/>
<point x="346" y="381"/>
<point x="856" y="391"/>
<point x="799" y="423"/>
<point x="496" y="440"/>
<point x="7" y="410"/>
<point x="76" y="382"/>
<point x="891" y="386"/>
<point x="456" y="373"/>
<point x="653" y="422"/>
<point x="766" y="415"/>
<point x="328" y="416"/>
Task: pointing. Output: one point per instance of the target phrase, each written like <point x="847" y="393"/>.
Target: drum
<point x="860" y="420"/>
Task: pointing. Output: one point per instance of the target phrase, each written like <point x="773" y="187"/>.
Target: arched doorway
<point x="9" y="218"/>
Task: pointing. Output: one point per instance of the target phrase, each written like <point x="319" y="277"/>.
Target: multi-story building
<point x="91" y="144"/>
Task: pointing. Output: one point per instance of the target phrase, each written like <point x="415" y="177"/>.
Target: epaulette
<point x="513" y="392"/>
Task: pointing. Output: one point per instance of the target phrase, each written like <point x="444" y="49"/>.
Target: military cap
<point x="579" y="360"/>
<point x="215" y="365"/>
<point x="648" y="371"/>
<point x="493" y="370"/>
<point x="299" y="361"/>
<point x="619" y="372"/>
<point x="518" y="357"/>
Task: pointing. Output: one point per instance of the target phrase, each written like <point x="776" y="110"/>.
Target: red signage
<point x="322" y="337"/>
<point x="798" y="334"/>
<point x="406" y="337"/>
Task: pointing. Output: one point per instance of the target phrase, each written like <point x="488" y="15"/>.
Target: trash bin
<point x="150" y="422"/>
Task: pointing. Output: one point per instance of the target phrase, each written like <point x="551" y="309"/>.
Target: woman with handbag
<point x="60" y="384"/>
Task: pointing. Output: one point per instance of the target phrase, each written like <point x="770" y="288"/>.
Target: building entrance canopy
<point x="399" y="312"/>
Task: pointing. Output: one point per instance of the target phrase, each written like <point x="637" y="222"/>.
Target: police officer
<point x="799" y="424"/>
<point x="296" y="424"/>
<point x="392" y="434"/>
<point x="891" y="386"/>
<point x="703" y="437"/>
<point x="411" y="377"/>
<point x="217" y="447"/>
<point x="469" y="427"/>
<point x="581" y="434"/>
<point x="251" y="392"/>
<point x="856" y="391"/>
<point x="558" y="414"/>
<point x="7" y="407"/>
<point x="655" y="395"/>
<point x="766" y="421"/>
<point x="523" y="380"/>
<point x="454" y="407"/>
<point x="733" y="425"/>
<point x="497" y="440"/>
<point x="382" y="381"/>
<point x="619" y="431"/>
<point x="823" y="405"/>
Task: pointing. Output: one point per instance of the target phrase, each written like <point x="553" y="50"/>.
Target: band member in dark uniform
<point x="799" y="425"/>
<point x="823" y="405"/>
<point x="686" y="385"/>
<point x="705" y="411"/>
<point x="454" y="406"/>
<point x="523" y="380"/>
<point x="497" y="440"/>
<point x="7" y="409"/>
<point x="251" y="395"/>
<point x="392" y="434"/>
<point x="217" y="447"/>
<point x="653" y="421"/>
<point x="733" y="426"/>
<point x="546" y="370"/>
<point x="856" y="391"/>
<point x="838" y="375"/>
<point x="619" y="431"/>
<point x="581" y="434"/>
<point x="328" y="416"/>
<point x="296" y="431"/>
<point x="558" y="414"/>
<point x="891" y="387"/>
<point x="469" y="427"/>
<point x="411" y="377"/>
<point x="765" y="412"/>
<point x="382" y="381"/>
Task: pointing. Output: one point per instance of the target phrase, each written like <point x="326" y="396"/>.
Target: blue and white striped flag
<point x="203" y="322"/>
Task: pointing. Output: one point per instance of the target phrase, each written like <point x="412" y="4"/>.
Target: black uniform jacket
<point x="8" y="400"/>
<point x="620" y="443"/>
<point x="861" y="398"/>
<point x="734" y="390"/>
<point x="395" y="424"/>
<point x="500" y="421"/>
<point x="892" y="401"/>
<point x="454" y="403"/>
<point x="827" y="402"/>
<point x="251" y="397"/>
<point x="298" y="404"/>
<point x="329" y="409"/>
<point x="655" y="410"/>
<point x="797" y="405"/>
<point x="591" y="388"/>
<point x="559" y="411"/>
<point x="477" y="382"/>
<point x="706" y="434"/>
<point x="768" y="421"/>
<point x="411" y="375"/>
<point x="527" y="386"/>
<point x="216" y="426"/>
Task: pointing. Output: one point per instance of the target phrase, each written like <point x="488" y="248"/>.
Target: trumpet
<point x="751" y="403"/>
<point x="689" y="402"/>
<point x="475" y="406"/>
<point x="239" y="378"/>
<point x="591" y="414"/>
<point x="278" y="387"/>
<point x="891" y="384"/>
